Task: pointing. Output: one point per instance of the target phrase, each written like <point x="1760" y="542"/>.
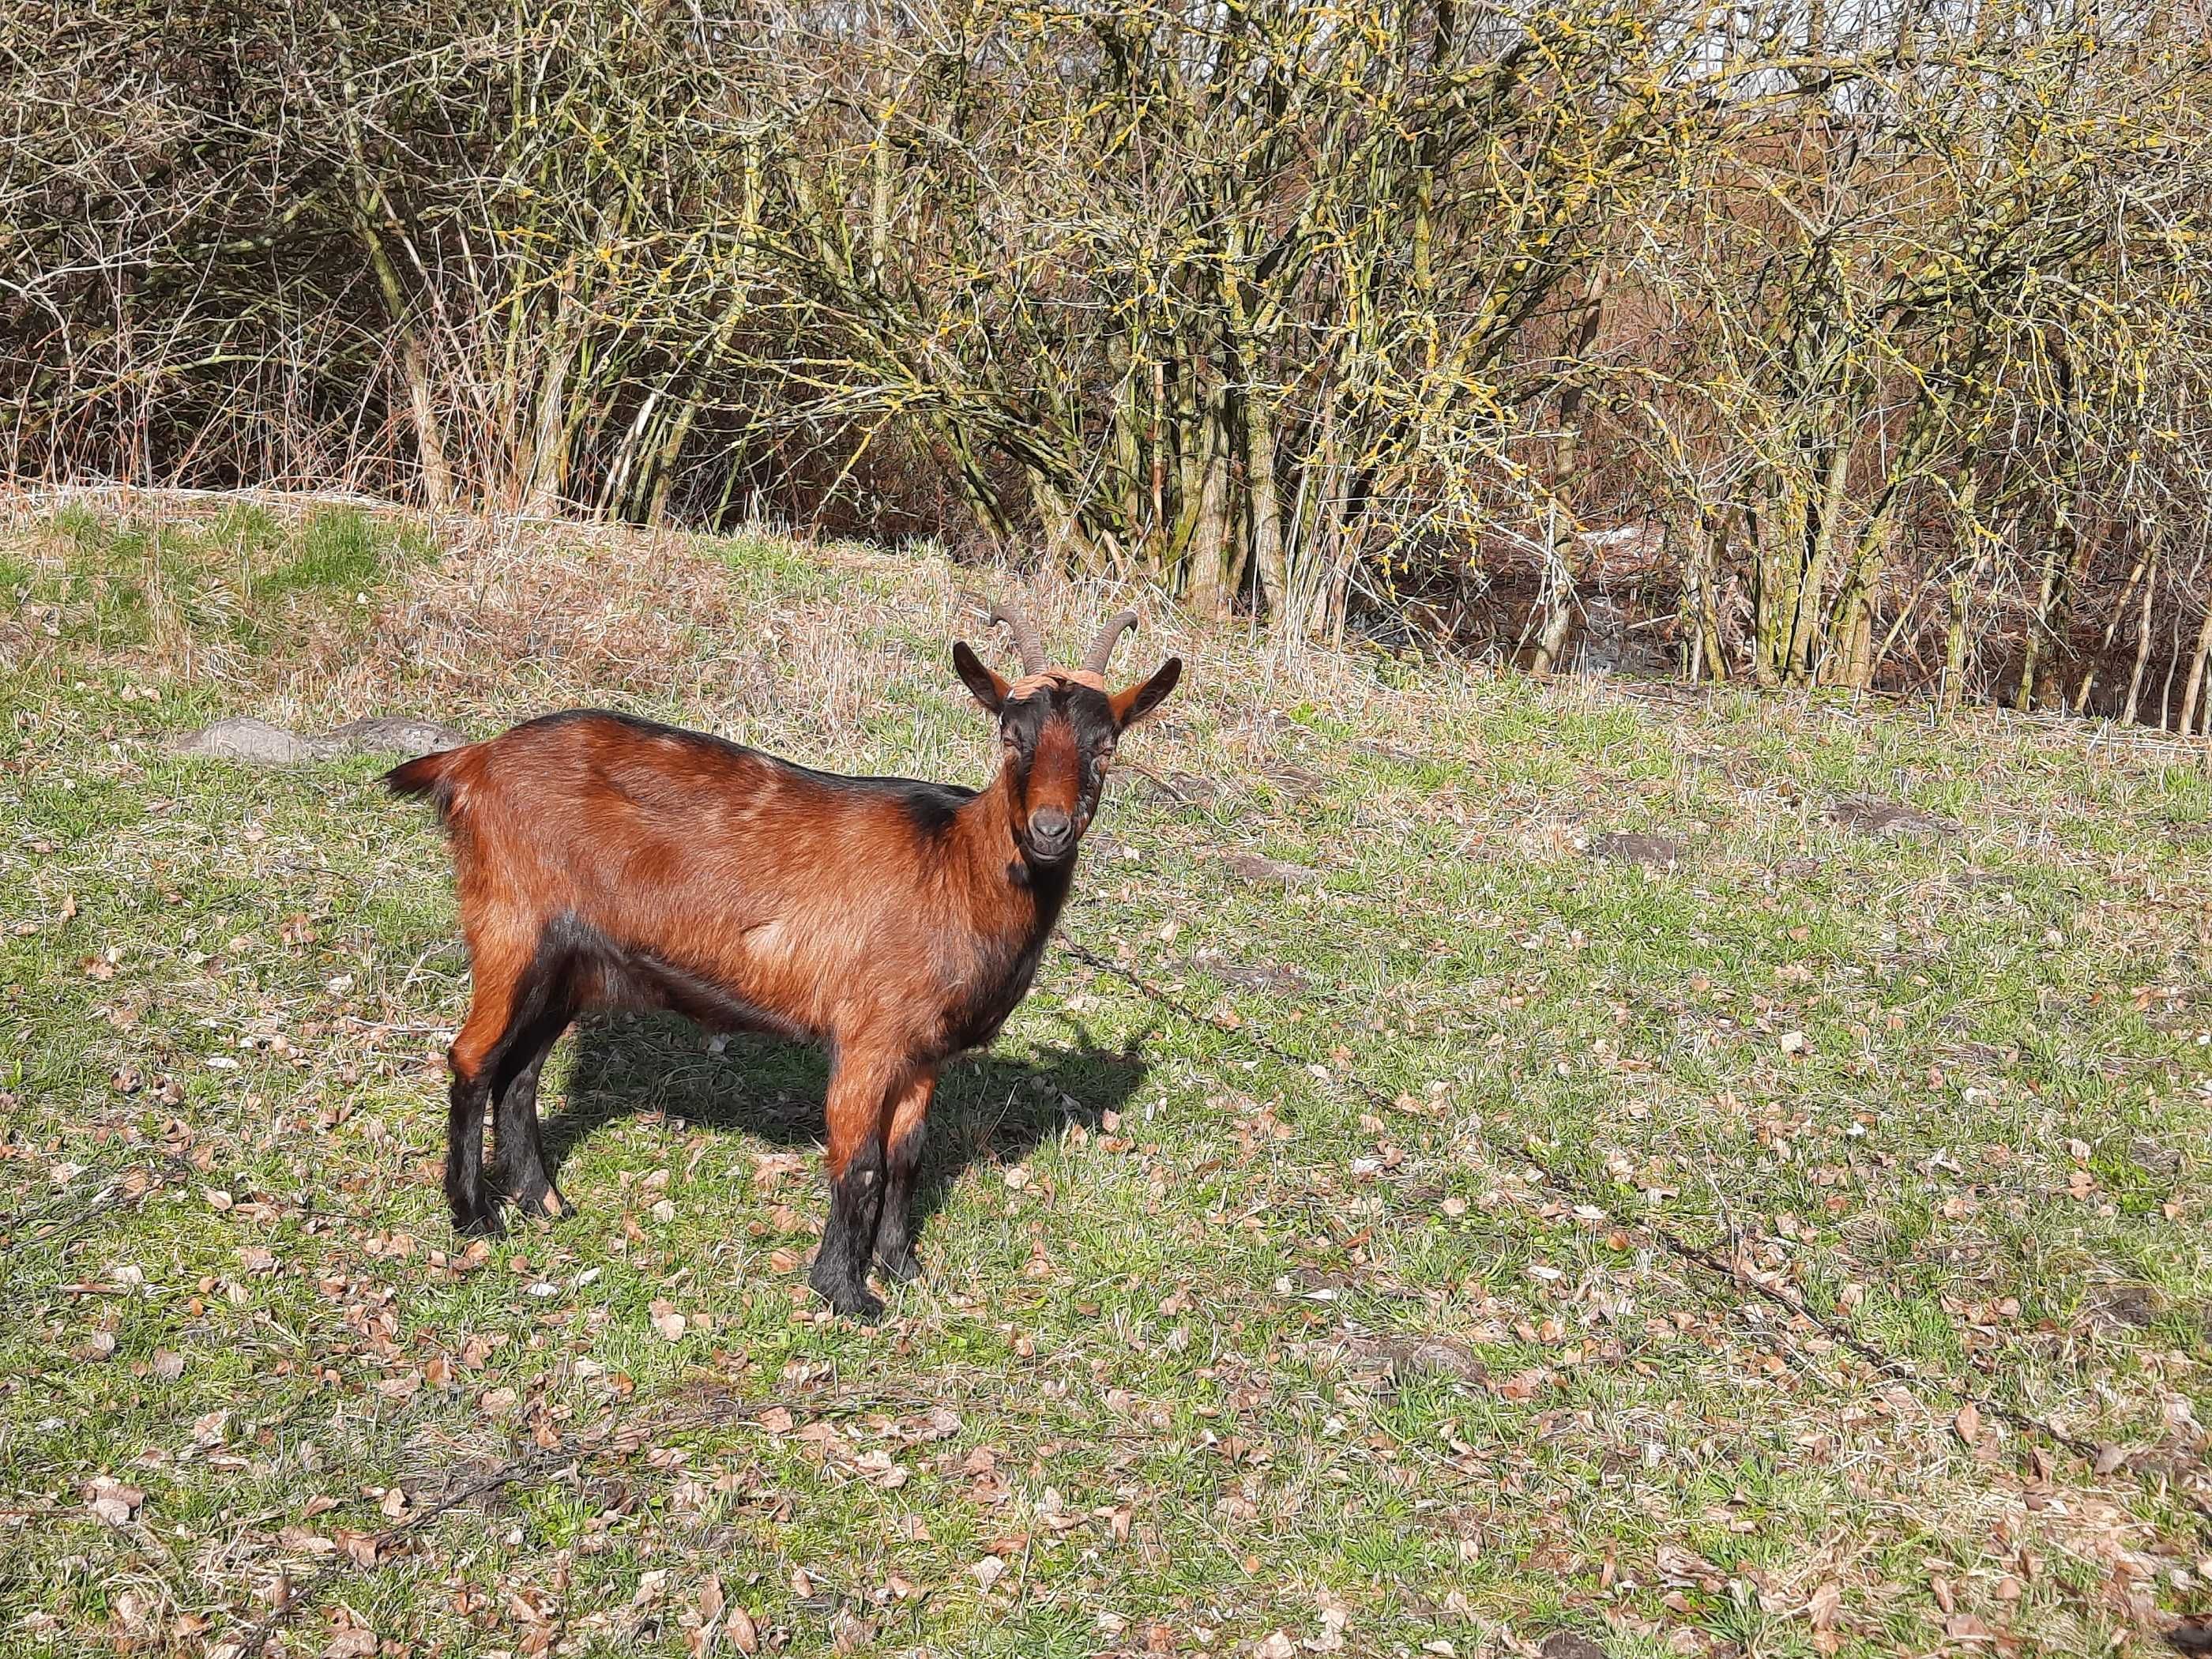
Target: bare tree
<point x="1858" y="346"/>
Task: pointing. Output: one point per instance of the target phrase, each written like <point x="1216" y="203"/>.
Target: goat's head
<point x="1057" y="728"/>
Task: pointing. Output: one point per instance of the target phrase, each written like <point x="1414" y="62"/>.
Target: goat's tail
<point x="430" y="775"/>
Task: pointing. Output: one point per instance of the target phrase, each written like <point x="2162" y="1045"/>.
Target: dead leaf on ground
<point x="1256" y="868"/>
<point x="114" y="1502"/>
<point x="1870" y="815"/>
<point x="1637" y="847"/>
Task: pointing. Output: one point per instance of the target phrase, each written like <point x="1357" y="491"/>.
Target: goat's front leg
<point x="859" y="1087"/>
<point x="903" y="1133"/>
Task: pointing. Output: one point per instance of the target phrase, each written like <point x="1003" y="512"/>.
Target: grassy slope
<point x="1157" y="1391"/>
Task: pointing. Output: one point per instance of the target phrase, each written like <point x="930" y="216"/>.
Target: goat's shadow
<point x="988" y="1106"/>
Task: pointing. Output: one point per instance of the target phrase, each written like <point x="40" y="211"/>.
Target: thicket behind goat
<point x="603" y="861"/>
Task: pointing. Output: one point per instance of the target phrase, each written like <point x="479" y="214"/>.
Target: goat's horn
<point x="1028" y="643"/>
<point x="1109" y="637"/>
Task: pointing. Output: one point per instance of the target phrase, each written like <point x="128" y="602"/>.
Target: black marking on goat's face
<point x="1059" y="742"/>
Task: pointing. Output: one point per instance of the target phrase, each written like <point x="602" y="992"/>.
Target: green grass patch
<point x="1216" y="1350"/>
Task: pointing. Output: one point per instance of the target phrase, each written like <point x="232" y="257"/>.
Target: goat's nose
<point x="1051" y="830"/>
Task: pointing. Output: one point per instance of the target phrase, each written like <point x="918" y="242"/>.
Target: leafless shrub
<point x="1861" y="347"/>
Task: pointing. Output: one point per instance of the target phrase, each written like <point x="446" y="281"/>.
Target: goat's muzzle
<point x="1050" y="836"/>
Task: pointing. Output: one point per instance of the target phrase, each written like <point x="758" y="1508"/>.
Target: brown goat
<point x="607" y="862"/>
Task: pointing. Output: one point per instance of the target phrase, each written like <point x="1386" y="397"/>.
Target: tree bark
<point x="2143" y="643"/>
<point x="2190" y="693"/>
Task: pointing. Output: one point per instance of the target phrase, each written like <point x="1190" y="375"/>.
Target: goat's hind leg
<point x="476" y="1215"/>
<point x="518" y="1172"/>
<point x="503" y="989"/>
<point x="544" y="1003"/>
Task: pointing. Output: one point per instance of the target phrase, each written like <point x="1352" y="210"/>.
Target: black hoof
<point x="862" y="1304"/>
<point x="856" y="1301"/>
<point x="899" y="1269"/>
<point x="484" y="1223"/>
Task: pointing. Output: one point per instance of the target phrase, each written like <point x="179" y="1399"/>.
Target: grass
<point x="1216" y="1352"/>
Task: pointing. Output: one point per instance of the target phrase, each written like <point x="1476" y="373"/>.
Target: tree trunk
<point x="1781" y="557"/>
<point x="2143" y="643"/>
<point x="1559" y="597"/>
<point x="1806" y="644"/>
<point x="1261" y="502"/>
<point x="1710" y="532"/>
<point x="1853" y="655"/>
<point x="2038" y="624"/>
<point x="542" y="471"/>
<point x="1963" y="576"/>
<point x="2120" y="607"/>
<point x="2188" y="721"/>
<point x="1207" y="550"/>
<point x="1561" y="580"/>
<point x="429" y="437"/>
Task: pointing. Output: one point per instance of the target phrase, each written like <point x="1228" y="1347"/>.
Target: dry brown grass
<point x="516" y="615"/>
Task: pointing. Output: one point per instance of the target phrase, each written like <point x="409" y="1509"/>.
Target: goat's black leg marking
<point x="475" y="1213"/>
<point x="518" y="1172"/>
<point x="520" y="1007"/>
<point x="539" y="1011"/>
<point x="904" y="1126"/>
<point x="895" y="1229"/>
<point x="840" y="1266"/>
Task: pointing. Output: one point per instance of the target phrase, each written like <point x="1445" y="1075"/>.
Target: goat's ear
<point x="1134" y="704"/>
<point x="989" y="690"/>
